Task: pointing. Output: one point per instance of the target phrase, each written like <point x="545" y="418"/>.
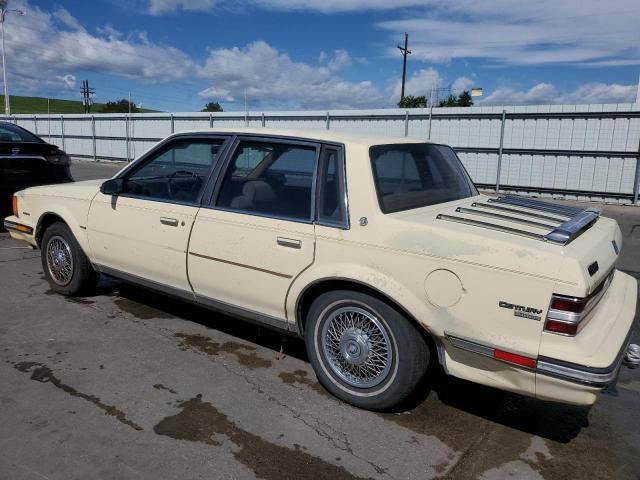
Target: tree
<point x="465" y="100"/>
<point x="120" y="106"/>
<point x="462" y="100"/>
<point x="410" y="101"/>
<point x="212" y="107"/>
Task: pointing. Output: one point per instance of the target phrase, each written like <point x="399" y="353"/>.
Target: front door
<point x="144" y="231"/>
<point x="258" y="235"/>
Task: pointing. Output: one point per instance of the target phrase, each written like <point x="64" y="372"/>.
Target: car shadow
<point x="146" y="304"/>
<point x="445" y="397"/>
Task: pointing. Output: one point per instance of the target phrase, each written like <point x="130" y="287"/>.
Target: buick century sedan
<point x="378" y="251"/>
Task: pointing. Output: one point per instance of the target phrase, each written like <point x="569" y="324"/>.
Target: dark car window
<point x="15" y="134"/>
<point x="177" y="172"/>
<point x="417" y="175"/>
<point x="268" y="178"/>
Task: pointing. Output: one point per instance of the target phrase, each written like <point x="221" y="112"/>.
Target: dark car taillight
<point x="58" y="157"/>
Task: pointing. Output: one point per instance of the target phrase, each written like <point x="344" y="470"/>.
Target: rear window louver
<point x="561" y="223"/>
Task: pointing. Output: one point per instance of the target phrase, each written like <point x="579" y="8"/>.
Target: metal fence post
<point x="504" y="116"/>
<point x="126" y="127"/>
<point x="263" y="120"/>
<point x="35" y="124"/>
<point x="328" y="122"/>
<point x="172" y="124"/>
<point x="406" y="123"/>
<point x="636" y="180"/>
<point x="430" y="115"/>
<point x="62" y="130"/>
<point x="211" y="120"/>
<point x="93" y="136"/>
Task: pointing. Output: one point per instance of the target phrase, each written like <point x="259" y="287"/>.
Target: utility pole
<point x="87" y="95"/>
<point x="405" y="51"/>
<point x="3" y="14"/>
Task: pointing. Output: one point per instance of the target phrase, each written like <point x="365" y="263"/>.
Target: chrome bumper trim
<point x="16" y="227"/>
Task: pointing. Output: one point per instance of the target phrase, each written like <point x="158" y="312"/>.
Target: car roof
<point x="317" y="135"/>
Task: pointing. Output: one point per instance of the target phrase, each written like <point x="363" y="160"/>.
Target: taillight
<point x="568" y="304"/>
<point x="563" y="328"/>
<point x="14" y="206"/>
<point x="565" y="314"/>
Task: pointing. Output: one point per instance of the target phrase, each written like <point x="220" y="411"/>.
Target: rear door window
<point x="270" y="179"/>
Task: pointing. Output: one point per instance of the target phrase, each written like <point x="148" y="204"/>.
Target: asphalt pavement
<point x="126" y="384"/>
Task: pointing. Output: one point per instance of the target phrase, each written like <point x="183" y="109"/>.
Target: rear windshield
<point x="12" y="133"/>
<point x="413" y="175"/>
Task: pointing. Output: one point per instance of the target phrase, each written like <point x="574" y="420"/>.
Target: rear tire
<point x="363" y="350"/>
<point x="66" y="267"/>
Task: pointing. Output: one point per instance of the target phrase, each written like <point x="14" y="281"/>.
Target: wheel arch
<point x="324" y="285"/>
<point x="45" y="221"/>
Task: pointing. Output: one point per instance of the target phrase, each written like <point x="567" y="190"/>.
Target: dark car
<point x="27" y="160"/>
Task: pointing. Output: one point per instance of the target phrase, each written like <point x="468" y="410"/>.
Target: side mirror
<point x="112" y="187"/>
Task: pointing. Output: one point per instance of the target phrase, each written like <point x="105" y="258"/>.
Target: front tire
<point x="363" y="350"/>
<point x="66" y="267"/>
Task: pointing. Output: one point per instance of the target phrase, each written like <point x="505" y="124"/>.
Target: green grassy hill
<point x="39" y="105"/>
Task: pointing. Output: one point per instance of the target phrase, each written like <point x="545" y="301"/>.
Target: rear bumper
<point x="580" y="382"/>
<point x="582" y="374"/>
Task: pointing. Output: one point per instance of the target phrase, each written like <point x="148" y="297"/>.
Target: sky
<point x="176" y="55"/>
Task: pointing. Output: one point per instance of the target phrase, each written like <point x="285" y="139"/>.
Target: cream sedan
<point x="378" y="251"/>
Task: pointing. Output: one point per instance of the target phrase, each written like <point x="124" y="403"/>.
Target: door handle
<point x="289" y="242"/>
<point x="172" y="222"/>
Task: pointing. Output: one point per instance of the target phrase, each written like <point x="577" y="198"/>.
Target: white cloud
<point x="461" y="84"/>
<point x="66" y="19"/>
<point x="270" y="77"/>
<point x="158" y="7"/>
<point x="340" y="60"/>
<point x="58" y="45"/>
<point x="68" y="80"/>
<point x="578" y="32"/>
<point x="332" y="6"/>
<point x="546" y="93"/>
<point x="420" y="83"/>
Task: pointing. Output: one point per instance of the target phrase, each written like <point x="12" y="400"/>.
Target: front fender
<point x="74" y="214"/>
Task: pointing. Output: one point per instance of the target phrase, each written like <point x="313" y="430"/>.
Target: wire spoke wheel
<point x="357" y="347"/>
<point x="59" y="260"/>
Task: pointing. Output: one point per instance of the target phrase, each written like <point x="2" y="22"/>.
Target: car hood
<point x="84" y="190"/>
<point x="432" y="231"/>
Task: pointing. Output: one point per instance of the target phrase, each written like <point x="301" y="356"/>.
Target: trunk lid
<point x="588" y="242"/>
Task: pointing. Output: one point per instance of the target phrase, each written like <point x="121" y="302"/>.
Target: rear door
<point x="257" y="234"/>
<point x="144" y="231"/>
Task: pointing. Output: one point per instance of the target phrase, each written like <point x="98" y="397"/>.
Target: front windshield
<point x="413" y="175"/>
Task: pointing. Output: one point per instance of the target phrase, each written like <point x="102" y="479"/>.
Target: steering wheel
<point x="174" y="189"/>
